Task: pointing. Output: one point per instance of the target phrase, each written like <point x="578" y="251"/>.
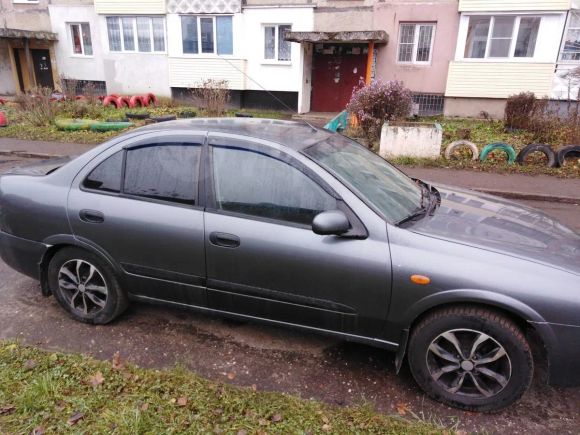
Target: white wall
<point x="125" y="73"/>
<point x="274" y="76"/>
<point x="547" y="43"/>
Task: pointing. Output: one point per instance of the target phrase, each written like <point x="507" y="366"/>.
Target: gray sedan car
<point x="284" y="223"/>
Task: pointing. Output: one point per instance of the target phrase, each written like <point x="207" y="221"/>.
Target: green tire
<point x="68" y="124"/>
<point x="508" y="149"/>
<point x="110" y="126"/>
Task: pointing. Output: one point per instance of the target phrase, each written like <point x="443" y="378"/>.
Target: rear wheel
<point x="85" y="286"/>
<point x="471" y="358"/>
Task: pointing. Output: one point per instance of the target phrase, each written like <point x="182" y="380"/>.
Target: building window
<point x="80" y="35"/>
<point x="275" y="46"/>
<point x="142" y="34"/>
<point x="415" y="43"/>
<point x="571" y="49"/>
<point x="207" y="35"/>
<point x="503" y="36"/>
<point x="428" y="104"/>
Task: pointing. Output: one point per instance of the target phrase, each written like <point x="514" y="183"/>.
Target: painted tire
<point x="454" y="145"/>
<point x="152" y="99"/>
<point x="111" y="100"/>
<point x="145" y="100"/>
<point x="508" y="149"/>
<point x="110" y="126"/>
<point x="136" y="101"/>
<point x="164" y="118"/>
<point x="568" y="151"/>
<point x="115" y="96"/>
<point x="187" y="114"/>
<point x="2" y="101"/>
<point x="536" y="147"/>
<point x="123" y="102"/>
<point x="74" y="124"/>
<point x="130" y="115"/>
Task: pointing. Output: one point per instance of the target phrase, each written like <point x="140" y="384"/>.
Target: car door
<point x="140" y="205"/>
<point x="264" y="260"/>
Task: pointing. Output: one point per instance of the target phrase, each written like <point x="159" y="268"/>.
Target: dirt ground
<point x="269" y="358"/>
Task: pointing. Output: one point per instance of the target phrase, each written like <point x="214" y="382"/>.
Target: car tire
<point x="452" y="146"/>
<point x="536" y="147"/>
<point x="568" y="151"/>
<point x="491" y="377"/>
<point x="508" y="149"/>
<point x="101" y="301"/>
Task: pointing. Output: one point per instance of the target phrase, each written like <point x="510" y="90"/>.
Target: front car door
<point x="264" y="260"/>
<point x="140" y="205"/>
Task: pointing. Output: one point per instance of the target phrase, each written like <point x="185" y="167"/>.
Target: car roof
<point x="296" y="135"/>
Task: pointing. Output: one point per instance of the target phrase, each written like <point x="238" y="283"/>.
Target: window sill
<point x="146" y="53"/>
<point x="25" y="2"/>
<point x="423" y="64"/>
<point x="82" y="56"/>
<point x="276" y="62"/>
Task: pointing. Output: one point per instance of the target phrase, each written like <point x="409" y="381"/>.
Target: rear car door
<point x="140" y="205"/>
<point x="264" y="260"/>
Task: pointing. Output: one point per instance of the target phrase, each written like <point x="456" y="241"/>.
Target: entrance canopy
<point x="349" y="37"/>
<point x="27" y="34"/>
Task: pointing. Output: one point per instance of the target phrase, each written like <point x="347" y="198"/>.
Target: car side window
<point x="256" y="184"/>
<point x="168" y="172"/>
<point x="107" y="175"/>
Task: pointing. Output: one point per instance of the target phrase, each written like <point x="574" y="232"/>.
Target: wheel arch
<point x="521" y="314"/>
<point x="62" y="241"/>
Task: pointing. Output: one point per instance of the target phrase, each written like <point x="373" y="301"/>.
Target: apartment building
<point x="26" y="46"/>
<point x="507" y="47"/>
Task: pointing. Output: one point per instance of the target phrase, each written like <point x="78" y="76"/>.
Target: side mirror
<point x="332" y="222"/>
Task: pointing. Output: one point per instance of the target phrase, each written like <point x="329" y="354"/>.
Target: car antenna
<point x="314" y="129"/>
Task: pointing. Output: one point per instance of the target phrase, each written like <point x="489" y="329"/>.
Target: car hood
<point x="42" y="167"/>
<point x="500" y="225"/>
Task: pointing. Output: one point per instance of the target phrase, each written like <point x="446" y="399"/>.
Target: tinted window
<point x="167" y="172"/>
<point x="106" y="176"/>
<point x="259" y="185"/>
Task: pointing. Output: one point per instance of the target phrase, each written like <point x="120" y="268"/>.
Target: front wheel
<point x="470" y="358"/>
<point x="85" y="286"/>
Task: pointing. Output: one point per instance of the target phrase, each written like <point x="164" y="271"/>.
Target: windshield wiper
<point x="427" y="193"/>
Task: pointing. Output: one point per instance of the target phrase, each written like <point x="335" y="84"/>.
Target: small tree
<point x="213" y="95"/>
<point x="377" y="102"/>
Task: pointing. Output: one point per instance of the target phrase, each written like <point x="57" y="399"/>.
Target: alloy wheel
<point x="469" y="363"/>
<point x="83" y="286"/>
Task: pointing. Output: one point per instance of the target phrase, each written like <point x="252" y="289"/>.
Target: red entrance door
<point x="336" y="70"/>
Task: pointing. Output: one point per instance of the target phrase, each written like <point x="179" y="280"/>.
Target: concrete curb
<point x="502" y="193"/>
<point x="531" y="196"/>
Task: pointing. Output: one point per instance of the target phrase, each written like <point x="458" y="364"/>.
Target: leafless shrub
<point x="519" y="110"/>
<point x="37" y="107"/>
<point x="214" y="96"/>
<point x="69" y="86"/>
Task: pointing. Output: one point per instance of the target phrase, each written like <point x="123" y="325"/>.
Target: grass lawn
<point x="484" y="132"/>
<point x="20" y="129"/>
<point x="62" y="393"/>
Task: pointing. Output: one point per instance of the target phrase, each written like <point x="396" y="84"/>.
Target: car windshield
<point x="391" y="192"/>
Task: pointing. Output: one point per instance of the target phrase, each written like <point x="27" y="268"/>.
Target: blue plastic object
<point x="338" y="123"/>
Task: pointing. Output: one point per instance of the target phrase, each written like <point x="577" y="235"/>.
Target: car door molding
<point x="278" y="296"/>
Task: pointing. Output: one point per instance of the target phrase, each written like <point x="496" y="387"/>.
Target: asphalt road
<point x="271" y="358"/>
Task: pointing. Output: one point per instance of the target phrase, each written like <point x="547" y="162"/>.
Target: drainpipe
<point x="370" y="61"/>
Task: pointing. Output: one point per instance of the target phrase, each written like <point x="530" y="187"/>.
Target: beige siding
<point x="513" y="5"/>
<point x="498" y="80"/>
<point x="132" y="7"/>
<point x="189" y="72"/>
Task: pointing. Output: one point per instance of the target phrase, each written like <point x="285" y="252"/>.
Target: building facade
<point x="507" y="47"/>
<point x="27" y="56"/>
<point x="458" y="57"/>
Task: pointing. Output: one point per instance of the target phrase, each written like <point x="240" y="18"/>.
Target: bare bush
<point x="214" y="96"/>
<point x="519" y="110"/>
<point x="37" y="107"/>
